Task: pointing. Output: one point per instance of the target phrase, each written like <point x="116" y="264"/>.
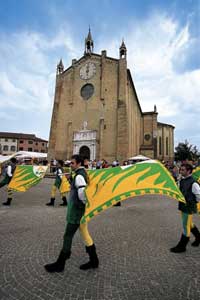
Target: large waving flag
<point x="109" y="186"/>
<point x="196" y="174"/>
<point x="26" y="176"/>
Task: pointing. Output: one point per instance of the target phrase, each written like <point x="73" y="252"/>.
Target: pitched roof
<point x="16" y="135"/>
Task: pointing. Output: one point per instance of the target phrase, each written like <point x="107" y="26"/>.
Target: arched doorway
<point x="84" y="152"/>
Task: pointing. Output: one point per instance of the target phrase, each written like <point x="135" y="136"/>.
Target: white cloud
<point x="28" y="71"/>
<point x="28" y="63"/>
<point x="158" y="49"/>
<point x="157" y="82"/>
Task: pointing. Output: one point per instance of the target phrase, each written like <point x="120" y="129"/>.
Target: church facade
<point x="97" y="113"/>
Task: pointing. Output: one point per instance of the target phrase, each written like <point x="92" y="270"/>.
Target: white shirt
<point x="196" y="190"/>
<point x="80" y="181"/>
<point x="59" y="173"/>
<point x="9" y="171"/>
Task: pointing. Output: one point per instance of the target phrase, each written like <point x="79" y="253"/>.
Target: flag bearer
<point x="75" y="211"/>
<point x="8" y="176"/>
<point x="191" y="191"/>
<point x="57" y="185"/>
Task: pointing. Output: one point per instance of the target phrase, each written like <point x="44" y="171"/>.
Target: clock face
<point x="87" y="71"/>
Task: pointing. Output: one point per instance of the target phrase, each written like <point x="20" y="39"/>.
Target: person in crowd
<point x="75" y="211"/>
<point x="98" y="164"/>
<point x="175" y="172"/>
<point x="57" y="183"/>
<point x="104" y="164"/>
<point x="53" y="165"/>
<point x="191" y="191"/>
<point x="7" y="178"/>
<point x="86" y="163"/>
<point x="44" y="162"/>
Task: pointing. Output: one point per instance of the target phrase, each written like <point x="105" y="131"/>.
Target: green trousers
<point x="68" y="236"/>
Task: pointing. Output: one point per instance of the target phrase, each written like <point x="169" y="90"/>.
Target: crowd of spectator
<point x="173" y="167"/>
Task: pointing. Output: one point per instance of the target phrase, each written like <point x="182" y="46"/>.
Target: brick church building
<point x="97" y="112"/>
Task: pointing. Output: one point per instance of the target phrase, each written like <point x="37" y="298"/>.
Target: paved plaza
<point x="132" y="242"/>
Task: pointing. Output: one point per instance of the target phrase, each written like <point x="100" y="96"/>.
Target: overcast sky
<point x="162" y="39"/>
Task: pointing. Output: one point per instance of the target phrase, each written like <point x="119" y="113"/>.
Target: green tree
<point x="186" y="151"/>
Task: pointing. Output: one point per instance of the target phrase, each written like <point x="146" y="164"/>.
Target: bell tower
<point x="89" y="44"/>
<point x="60" y="67"/>
<point x="122" y="50"/>
<point x="122" y="110"/>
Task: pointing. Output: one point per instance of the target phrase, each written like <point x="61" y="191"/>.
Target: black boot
<point x="196" y="233"/>
<point x="7" y="202"/>
<point x="117" y="204"/>
<point x="94" y="261"/>
<point x="59" y="265"/>
<point x="181" y="246"/>
<point x="51" y="203"/>
<point x="64" y="199"/>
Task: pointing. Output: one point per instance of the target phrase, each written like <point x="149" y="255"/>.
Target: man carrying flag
<point x="75" y="211"/>
<point x="8" y="176"/>
<point x="191" y="191"/>
<point x="57" y="185"/>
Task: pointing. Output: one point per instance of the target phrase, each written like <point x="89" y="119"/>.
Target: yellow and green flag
<point x="109" y="186"/>
<point x="26" y="176"/>
<point x="65" y="186"/>
<point x="196" y="174"/>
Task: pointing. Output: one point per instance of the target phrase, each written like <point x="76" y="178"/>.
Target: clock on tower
<point x="87" y="71"/>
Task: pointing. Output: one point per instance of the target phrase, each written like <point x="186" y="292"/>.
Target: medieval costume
<point x="75" y="211"/>
<point x="6" y="180"/>
<point x="57" y="184"/>
<point x="191" y="191"/>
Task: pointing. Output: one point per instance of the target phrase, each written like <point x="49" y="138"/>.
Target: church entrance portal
<point x="84" y="143"/>
<point x="85" y="152"/>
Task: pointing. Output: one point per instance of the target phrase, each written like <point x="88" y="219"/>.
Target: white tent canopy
<point x="23" y="154"/>
<point x="139" y="157"/>
<point x="5" y="158"/>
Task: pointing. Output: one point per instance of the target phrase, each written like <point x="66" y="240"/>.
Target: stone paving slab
<point x="132" y="242"/>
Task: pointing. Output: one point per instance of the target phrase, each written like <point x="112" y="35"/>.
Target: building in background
<point x="12" y="142"/>
<point x="97" y="113"/>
